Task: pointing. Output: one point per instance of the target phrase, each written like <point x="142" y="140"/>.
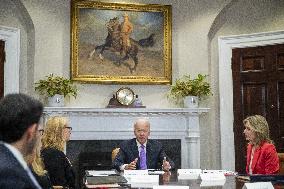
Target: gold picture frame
<point x="103" y="52"/>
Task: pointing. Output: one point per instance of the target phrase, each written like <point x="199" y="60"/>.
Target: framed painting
<point x="115" y="43"/>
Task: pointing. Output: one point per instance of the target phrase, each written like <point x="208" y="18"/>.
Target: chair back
<point x="281" y="162"/>
<point x="57" y="187"/>
<point x="114" y="153"/>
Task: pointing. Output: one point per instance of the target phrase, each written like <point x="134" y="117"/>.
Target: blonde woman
<point x="56" y="133"/>
<point x="262" y="157"/>
<point x="36" y="165"/>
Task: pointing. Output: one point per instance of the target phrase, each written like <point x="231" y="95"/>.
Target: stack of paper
<point x="104" y="181"/>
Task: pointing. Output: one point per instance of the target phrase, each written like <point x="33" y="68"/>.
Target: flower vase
<point x="191" y="102"/>
<point x="56" y="101"/>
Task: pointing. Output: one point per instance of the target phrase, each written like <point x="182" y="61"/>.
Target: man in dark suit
<point x="19" y="122"/>
<point x="141" y="152"/>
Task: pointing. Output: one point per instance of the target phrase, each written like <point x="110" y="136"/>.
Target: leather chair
<point x="281" y="162"/>
<point x="114" y="153"/>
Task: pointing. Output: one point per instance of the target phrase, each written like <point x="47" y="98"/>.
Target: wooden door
<point x="2" y="60"/>
<point x="258" y="87"/>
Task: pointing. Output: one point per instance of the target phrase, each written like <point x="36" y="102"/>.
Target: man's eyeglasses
<point x="70" y="128"/>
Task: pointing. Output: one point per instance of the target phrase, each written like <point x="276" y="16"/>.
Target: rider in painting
<point x="125" y="32"/>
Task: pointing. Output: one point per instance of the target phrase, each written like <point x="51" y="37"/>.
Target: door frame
<point x="226" y="44"/>
<point x="11" y="37"/>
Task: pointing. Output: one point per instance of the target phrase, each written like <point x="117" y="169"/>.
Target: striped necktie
<point x="143" y="164"/>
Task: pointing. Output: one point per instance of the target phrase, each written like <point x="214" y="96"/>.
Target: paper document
<point x="102" y="186"/>
<point x="100" y="173"/>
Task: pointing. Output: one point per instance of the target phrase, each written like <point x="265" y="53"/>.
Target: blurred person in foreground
<point x="56" y="133"/>
<point x="141" y="152"/>
<point x="36" y="165"/>
<point x="262" y="157"/>
<point x="19" y="123"/>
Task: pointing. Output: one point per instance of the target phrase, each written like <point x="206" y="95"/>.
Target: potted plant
<point x="190" y="90"/>
<point x="56" y="88"/>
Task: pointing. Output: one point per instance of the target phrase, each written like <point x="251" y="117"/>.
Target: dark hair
<point x="17" y="113"/>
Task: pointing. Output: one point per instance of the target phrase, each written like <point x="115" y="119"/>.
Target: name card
<point x="154" y="179"/>
<point x="206" y="183"/>
<point x="170" y="187"/>
<point x="212" y="176"/>
<point x="135" y="172"/>
<point x="188" y="173"/>
<point x="258" y="185"/>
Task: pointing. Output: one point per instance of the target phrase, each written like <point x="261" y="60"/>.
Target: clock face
<point x="125" y="96"/>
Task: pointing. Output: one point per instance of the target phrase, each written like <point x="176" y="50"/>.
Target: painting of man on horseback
<point x="121" y="43"/>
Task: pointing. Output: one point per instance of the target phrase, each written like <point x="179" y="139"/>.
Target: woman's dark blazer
<point x="43" y="180"/>
<point x="59" y="167"/>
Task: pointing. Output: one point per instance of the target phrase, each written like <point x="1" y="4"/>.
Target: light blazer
<point x="265" y="159"/>
<point x="129" y="151"/>
<point x="12" y="173"/>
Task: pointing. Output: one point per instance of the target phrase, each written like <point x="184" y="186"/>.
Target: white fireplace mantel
<point x="117" y="124"/>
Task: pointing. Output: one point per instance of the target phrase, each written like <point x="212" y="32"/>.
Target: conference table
<point x="171" y="178"/>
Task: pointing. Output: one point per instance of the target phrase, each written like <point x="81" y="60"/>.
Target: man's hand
<point x="166" y="165"/>
<point x="132" y="165"/>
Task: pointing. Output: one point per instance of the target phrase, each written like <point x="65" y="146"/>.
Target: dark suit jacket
<point x="12" y="174"/>
<point x="58" y="167"/>
<point x="129" y="151"/>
